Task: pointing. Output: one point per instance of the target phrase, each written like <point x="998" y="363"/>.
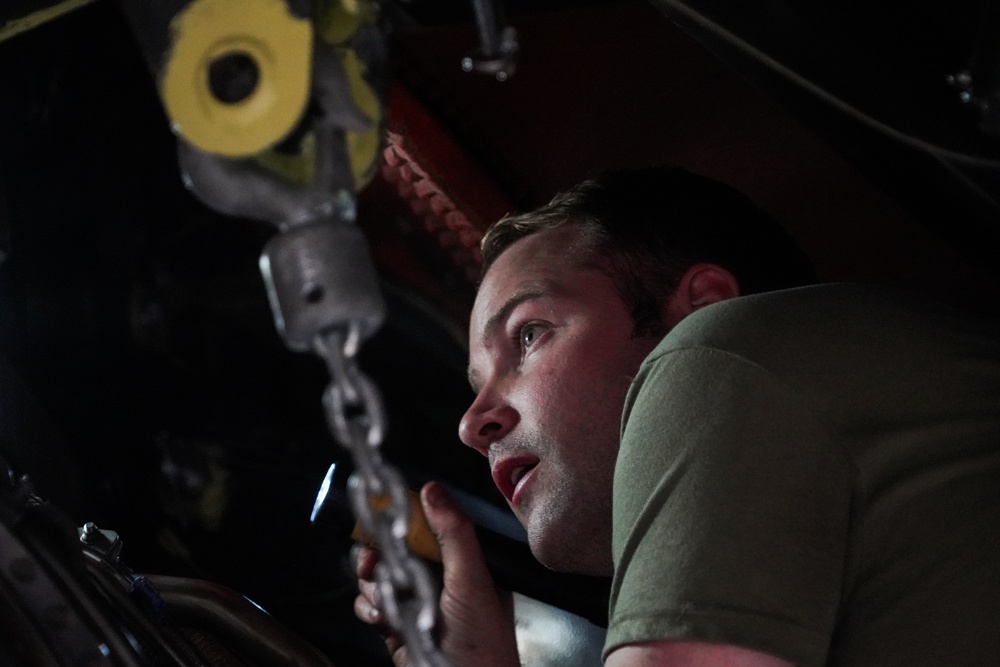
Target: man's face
<point x="551" y="356"/>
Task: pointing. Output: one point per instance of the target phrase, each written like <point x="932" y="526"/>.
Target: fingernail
<point x="353" y="555"/>
<point x="434" y="495"/>
<point x="375" y="615"/>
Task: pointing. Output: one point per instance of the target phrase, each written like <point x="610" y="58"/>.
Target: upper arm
<point x="732" y="505"/>
<point x="689" y="654"/>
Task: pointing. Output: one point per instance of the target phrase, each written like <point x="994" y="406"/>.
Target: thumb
<point x="460" y="552"/>
<point x="478" y="620"/>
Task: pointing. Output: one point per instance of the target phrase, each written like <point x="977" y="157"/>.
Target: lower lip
<point x="515" y="498"/>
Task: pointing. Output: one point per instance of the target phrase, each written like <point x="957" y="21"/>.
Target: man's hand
<point x="476" y="625"/>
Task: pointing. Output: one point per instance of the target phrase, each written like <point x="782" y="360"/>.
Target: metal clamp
<point x="498" y="48"/>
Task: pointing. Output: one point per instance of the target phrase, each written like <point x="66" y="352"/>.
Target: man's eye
<point x="528" y="335"/>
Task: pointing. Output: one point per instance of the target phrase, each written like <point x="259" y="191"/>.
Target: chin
<point x="546" y="548"/>
<point x="569" y="535"/>
<point x="567" y="555"/>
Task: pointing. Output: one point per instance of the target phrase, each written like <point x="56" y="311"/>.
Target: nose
<point x="486" y="421"/>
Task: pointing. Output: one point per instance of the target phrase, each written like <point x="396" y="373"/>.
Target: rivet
<point x="90" y="532"/>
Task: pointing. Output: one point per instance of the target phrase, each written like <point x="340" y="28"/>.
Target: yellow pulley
<point x="236" y="79"/>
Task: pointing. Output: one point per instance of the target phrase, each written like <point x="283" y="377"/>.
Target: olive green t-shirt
<point x="814" y="474"/>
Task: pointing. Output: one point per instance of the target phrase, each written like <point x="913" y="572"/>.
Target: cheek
<point x="542" y="402"/>
<point x="578" y="392"/>
<point x="539" y="396"/>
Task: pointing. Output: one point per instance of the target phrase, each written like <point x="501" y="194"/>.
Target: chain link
<point x="357" y="419"/>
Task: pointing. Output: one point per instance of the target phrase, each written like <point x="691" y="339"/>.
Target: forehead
<point x="535" y="263"/>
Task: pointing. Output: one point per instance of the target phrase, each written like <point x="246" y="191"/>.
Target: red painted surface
<point x="618" y="85"/>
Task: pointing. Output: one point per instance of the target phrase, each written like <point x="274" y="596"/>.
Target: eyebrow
<point x="499" y="317"/>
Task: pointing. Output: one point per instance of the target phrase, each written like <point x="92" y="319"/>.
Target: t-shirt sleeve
<point x="732" y="505"/>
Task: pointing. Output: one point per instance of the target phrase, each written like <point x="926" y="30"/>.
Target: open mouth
<point x="519" y="472"/>
<point x="509" y="474"/>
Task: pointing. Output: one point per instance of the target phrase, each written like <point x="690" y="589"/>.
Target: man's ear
<point x="700" y="286"/>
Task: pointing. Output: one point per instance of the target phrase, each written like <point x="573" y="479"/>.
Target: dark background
<point x="142" y="384"/>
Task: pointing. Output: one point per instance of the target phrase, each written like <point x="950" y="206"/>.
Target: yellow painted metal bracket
<point x="336" y="23"/>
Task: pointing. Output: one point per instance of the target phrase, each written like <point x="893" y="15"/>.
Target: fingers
<point x="366" y="606"/>
<point x="365" y="559"/>
<point x="366" y="611"/>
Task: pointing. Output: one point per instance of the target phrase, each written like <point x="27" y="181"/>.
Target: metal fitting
<point x="319" y="277"/>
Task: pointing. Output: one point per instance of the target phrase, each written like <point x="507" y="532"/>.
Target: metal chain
<point x="357" y="419"/>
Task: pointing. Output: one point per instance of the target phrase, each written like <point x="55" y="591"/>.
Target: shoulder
<point x="837" y="317"/>
<point x="817" y="305"/>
